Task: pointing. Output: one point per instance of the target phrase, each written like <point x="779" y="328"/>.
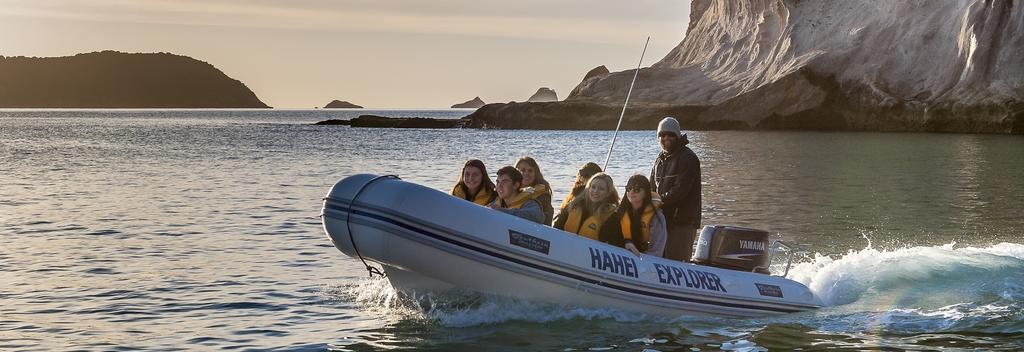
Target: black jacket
<point x="676" y="178"/>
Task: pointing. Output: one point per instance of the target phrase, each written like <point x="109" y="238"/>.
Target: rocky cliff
<point x="112" y="79"/>
<point x="945" y="66"/>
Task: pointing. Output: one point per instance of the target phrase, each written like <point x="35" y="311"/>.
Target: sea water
<point x="199" y="230"/>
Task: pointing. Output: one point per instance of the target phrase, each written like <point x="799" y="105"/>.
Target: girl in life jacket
<point x="638" y="225"/>
<point x="586" y="172"/>
<point x="535" y="187"/>
<point x="586" y="213"/>
<point x="474" y="184"/>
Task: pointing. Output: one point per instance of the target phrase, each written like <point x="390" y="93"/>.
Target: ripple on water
<point x="68" y="228"/>
<point x="105" y="232"/>
<point x="48" y="270"/>
<point x="47" y="311"/>
<point x="264" y="332"/>
<point x="19" y="343"/>
<point x="240" y="306"/>
<point x="169" y="234"/>
<point x="204" y="340"/>
<point x="13" y="203"/>
<point x="116" y="295"/>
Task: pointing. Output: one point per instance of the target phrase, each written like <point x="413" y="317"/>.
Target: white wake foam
<point x="460" y="308"/>
<point x="959" y="275"/>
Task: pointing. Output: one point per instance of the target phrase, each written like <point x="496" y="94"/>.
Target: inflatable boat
<point x="428" y="240"/>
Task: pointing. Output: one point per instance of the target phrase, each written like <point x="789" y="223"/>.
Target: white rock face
<point x="947" y="65"/>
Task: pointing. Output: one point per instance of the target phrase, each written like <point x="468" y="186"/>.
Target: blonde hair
<point x="584" y="198"/>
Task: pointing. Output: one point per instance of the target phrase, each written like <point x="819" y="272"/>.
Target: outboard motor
<point x="735" y="248"/>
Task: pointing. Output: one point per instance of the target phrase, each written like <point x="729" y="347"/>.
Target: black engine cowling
<point x="735" y="248"/>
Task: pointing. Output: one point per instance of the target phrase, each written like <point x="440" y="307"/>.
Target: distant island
<point x="923" y="66"/>
<point x="340" y="104"/>
<point x="111" y="79"/>
<point x="474" y="103"/>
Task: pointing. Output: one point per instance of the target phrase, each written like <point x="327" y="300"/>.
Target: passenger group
<point x="657" y="216"/>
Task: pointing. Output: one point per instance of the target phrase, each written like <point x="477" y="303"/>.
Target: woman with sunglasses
<point x="474" y="184"/>
<point x="584" y="216"/>
<point x="586" y="172"/>
<point x="638" y="225"/>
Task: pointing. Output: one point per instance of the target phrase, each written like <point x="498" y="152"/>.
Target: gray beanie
<point x="669" y="124"/>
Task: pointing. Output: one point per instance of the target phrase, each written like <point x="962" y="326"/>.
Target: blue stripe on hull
<point x="452" y="241"/>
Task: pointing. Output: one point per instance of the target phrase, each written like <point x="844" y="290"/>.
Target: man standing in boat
<point x="511" y="201"/>
<point x="676" y="178"/>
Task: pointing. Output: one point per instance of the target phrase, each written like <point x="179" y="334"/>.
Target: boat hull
<point x="426" y="239"/>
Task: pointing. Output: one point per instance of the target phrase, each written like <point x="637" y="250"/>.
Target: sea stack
<point x="543" y="95"/>
<point x="340" y="104"/>
<point x="939" y="66"/>
<point x="474" y="103"/>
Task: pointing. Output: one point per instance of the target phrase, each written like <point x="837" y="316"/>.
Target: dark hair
<point x="485" y="179"/>
<point x="626" y="208"/>
<point x="539" y="177"/>
<point x="586" y="171"/>
<point x="512" y="173"/>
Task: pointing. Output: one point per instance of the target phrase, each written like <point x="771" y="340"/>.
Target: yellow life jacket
<point x="529" y="193"/>
<point x="591" y="227"/>
<point x="645" y="228"/>
<point x="536" y="191"/>
<point x="483" y="197"/>
<point x="517" y="201"/>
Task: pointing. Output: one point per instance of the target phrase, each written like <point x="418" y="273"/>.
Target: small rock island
<point x="341" y="104"/>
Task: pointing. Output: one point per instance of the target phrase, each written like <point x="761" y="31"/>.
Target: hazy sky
<point x="375" y="53"/>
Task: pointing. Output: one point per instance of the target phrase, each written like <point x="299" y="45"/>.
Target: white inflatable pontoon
<point x="428" y="240"/>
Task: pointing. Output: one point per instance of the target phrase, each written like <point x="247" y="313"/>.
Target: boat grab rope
<point x="371" y="270"/>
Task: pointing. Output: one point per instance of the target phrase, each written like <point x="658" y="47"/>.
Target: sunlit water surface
<point x="192" y="229"/>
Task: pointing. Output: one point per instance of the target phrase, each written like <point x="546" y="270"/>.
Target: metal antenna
<point x="614" y="136"/>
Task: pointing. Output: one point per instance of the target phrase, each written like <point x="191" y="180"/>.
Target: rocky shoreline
<point x="392" y="122"/>
<point x="900" y="118"/>
<point x="834" y="110"/>
<point x="593" y="116"/>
